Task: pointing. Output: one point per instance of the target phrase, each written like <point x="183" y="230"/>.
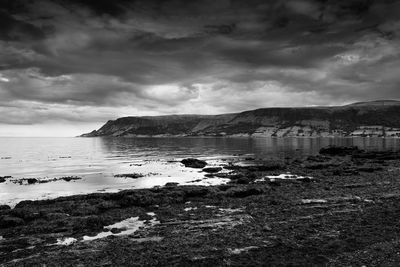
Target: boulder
<point x="32" y="180"/>
<point x="194" y="163"/>
<point x="244" y="180"/>
<point x="4" y="207"/>
<point x="25" y="203"/>
<point x="3" y="178"/>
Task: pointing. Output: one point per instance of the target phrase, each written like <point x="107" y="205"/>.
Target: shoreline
<point x="205" y="136"/>
<point x="238" y="136"/>
<point x="345" y="203"/>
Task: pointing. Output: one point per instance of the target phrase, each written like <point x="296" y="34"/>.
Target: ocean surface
<point x="97" y="160"/>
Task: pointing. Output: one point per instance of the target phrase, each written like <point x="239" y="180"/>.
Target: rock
<point x="194" y="163"/>
<point x="138" y="199"/>
<point x="244" y="180"/>
<point x="224" y="187"/>
<point x="93" y="223"/>
<point x="32" y="180"/>
<point x="197" y="191"/>
<point x="267" y="228"/>
<point x="225" y="175"/>
<point x="170" y="184"/>
<point x="26" y="213"/>
<point x="24" y="203"/>
<point x="243" y="191"/>
<point x="70" y="178"/>
<point x="10" y="221"/>
<point x="4" y="207"/>
<point x="212" y="169"/>
<point x="3" y="178"/>
<point x="130" y="175"/>
<point x="84" y="209"/>
<point x="116" y="230"/>
<point x="106" y="205"/>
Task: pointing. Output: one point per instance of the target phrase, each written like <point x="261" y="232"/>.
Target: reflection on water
<point x="260" y="147"/>
<point x="98" y="159"/>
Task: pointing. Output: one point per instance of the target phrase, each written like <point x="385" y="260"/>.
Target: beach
<point x="337" y="208"/>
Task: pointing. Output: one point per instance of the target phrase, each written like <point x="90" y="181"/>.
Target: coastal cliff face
<point x="377" y="118"/>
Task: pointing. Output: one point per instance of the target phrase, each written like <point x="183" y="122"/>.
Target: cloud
<point x="16" y="30"/>
<point x="303" y="7"/>
<point x="83" y="61"/>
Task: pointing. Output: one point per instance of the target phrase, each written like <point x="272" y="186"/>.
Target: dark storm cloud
<point x="15" y="30"/>
<point x="178" y="56"/>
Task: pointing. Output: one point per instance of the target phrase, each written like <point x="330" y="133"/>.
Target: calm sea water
<point x="97" y="160"/>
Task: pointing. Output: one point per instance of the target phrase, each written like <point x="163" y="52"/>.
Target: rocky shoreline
<point x="338" y="208"/>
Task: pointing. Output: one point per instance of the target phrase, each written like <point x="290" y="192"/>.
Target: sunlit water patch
<point x="97" y="160"/>
<point x="127" y="227"/>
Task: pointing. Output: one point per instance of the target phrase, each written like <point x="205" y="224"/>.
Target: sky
<point x="68" y="66"/>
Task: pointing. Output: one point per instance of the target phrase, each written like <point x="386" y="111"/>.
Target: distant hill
<point x="375" y="118"/>
<point x="376" y="103"/>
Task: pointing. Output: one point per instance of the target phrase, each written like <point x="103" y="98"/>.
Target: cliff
<point x="377" y="118"/>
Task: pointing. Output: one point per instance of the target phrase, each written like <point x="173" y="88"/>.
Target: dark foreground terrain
<point x="346" y="214"/>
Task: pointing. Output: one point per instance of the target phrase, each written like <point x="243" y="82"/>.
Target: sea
<point x="98" y="160"/>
